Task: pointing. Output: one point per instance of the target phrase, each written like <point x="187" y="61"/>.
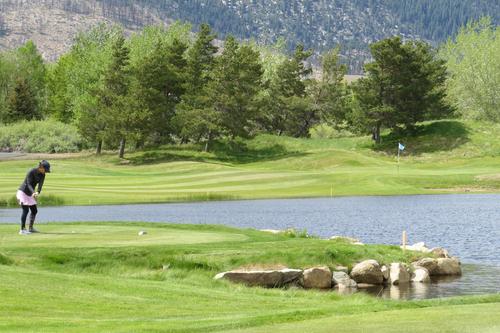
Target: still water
<point x="467" y="225"/>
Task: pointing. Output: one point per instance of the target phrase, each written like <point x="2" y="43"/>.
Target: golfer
<point x="26" y="195"/>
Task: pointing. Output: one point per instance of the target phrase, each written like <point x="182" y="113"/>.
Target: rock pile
<point x="364" y="274"/>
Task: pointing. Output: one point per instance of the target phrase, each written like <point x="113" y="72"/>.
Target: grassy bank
<point x="443" y="157"/>
<point x="105" y="278"/>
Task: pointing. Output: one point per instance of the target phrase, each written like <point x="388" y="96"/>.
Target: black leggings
<point x="26" y="209"/>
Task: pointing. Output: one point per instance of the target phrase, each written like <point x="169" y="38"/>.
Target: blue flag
<point x="401" y="147"/>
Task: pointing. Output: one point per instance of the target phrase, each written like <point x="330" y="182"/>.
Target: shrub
<point x="44" y="136"/>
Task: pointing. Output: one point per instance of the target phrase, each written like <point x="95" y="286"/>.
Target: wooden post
<point x="404" y="240"/>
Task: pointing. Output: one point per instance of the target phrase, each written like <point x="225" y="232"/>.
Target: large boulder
<point x="420" y="274"/>
<point x="448" y="266"/>
<point x="317" y="278"/>
<point x="428" y="263"/>
<point x="439" y="252"/>
<point x="343" y="280"/>
<point x="399" y="274"/>
<point x="368" y="272"/>
<point x="268" y="278"/>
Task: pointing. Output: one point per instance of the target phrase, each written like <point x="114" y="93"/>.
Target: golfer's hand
<point x="36" y="194"/>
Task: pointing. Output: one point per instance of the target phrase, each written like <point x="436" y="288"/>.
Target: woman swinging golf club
<point x="26" y="195"/>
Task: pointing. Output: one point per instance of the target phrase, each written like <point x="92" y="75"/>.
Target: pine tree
<point x="405" y="85"/>
<point x="120" y="112"/>
<point x="22" y="102"/>
<point x="195" y="119"/>
<point x="236" y="82"/>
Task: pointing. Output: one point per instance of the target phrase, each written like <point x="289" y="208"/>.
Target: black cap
<point x="45" y="165"/>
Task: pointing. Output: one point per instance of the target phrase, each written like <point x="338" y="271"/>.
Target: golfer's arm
<point x="28" y="182"/>
<point x="40" y="185"/>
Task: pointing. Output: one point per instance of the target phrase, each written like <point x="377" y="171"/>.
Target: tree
<point x="76" y="79"/>
<point x="30" y="66"/>
<point x="195" y="119"/>
<point x="280" y="102"/>
<point x="22" y="102"/>
<point x="236" y="82"/>
<point x="404" y="85"/>
<point x="473" y="62"/>
<point x="119" y="111"/>
<point x="329" y="93"/>
<point x="160" y="85"/>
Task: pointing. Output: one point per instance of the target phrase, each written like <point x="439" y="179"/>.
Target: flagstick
<point x="398" y="158"/>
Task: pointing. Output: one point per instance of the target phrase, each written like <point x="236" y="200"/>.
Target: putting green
<point x="80" y="235"/>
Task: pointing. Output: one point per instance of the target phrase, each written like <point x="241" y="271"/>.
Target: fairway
<point x="106" y="278"/>
<point x="438" y="161"/>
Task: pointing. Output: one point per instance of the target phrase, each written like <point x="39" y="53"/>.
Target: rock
<point x="447" y="266"/>
<point x="367" y="271"/>
<point x="343" y="280"/>
<point x="439" y="252"/>
<point x="317" y="278"/>
<point x="399" y="274"/>
<point x="268" y="279"/>
<point x="420" y="274"/>
<point x="420" y="247"/>
<point x="347" y="239"/>
<point x="342" y="269"/>
<point x="428" y="263"/>
<point x="142" y="233"/>
<point x="385" y="272"/>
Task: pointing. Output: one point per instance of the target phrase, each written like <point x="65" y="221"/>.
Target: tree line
<point x="165" y="85"/>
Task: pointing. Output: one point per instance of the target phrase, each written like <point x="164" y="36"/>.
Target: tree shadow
<point x="235" y="152"/>
<point x="432" y="137"/>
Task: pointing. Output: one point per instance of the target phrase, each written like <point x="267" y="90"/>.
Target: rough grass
<point x="162" y="282"/>
<point x="442" y="157"/>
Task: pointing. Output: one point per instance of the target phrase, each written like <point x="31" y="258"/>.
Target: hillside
<point x="319" y="25"/>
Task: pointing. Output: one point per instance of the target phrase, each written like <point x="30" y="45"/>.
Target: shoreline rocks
<point x="399" y="274"/>
<point x="268" y="278"/>
<point x="367" y="271"/>
<point x="317" y="278"/>
<point x="366" y="274"/>
<point x="440" y="266"/>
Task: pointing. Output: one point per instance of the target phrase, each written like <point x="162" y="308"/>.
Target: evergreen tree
<point x="282" y="114"/>
<point x="120" y="112"/>
<point x="328" y="95"/>
<point x="405" y="85"/>
<point x="160" y="85"/>
<point x="22" y="102"/>
<point x="195" y="119"/>
<point x="236" y="82"/>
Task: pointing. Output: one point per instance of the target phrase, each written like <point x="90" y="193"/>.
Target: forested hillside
<point x="317" y="24"/>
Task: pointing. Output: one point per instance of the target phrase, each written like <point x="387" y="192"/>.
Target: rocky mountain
<point x="319" y="24"/>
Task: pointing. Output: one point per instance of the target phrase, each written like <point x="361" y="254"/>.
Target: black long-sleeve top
<point x="33" y="178"/>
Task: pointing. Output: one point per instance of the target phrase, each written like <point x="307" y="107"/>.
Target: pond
<point x="467" y="225"/>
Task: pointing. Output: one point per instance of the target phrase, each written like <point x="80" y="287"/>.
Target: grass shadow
<point x="235" y="152"/>
<point x="432" y="137"/>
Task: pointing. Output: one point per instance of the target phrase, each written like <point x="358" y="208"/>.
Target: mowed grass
<point x="444" y="157"/>
<point x="59" y="281"/>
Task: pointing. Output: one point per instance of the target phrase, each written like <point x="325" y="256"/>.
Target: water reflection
<point x="475" y="280"/>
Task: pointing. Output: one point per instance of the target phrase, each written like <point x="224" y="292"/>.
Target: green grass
<point x="444" y="157"/>
<point x="103" y="277"/>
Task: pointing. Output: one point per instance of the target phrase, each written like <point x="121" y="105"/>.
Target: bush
<point x="44" y="136"/>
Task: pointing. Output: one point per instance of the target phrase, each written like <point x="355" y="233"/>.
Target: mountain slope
<point x="320" y="25"/>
